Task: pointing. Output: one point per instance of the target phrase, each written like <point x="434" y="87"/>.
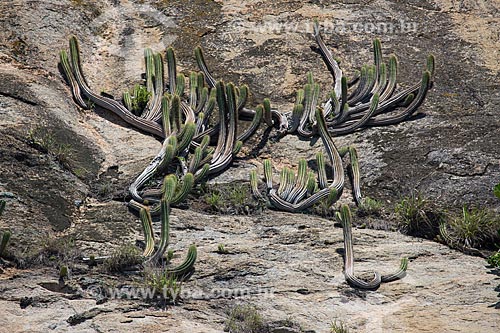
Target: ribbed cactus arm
<point x="345" y="218"/>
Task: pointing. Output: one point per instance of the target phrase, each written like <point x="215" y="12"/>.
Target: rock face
<point x="290" y="269"/>
<point x="286" y="265"/>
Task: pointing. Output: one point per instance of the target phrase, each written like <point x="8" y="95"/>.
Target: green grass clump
<point x="338" y="327"/>
<point x="63" y="272"/>
<point x="221" y="249"/>
<point x="474" y="228"/>
<point x="245" y="319"/>
<point x="496" y="190"/>
<point x="214" y="200"/>
<point x="44" y="139"/>
<point x="418" y="216"/>
<point x="323" y="208"/>
<point x="494" y="260"/>
<point x="369" y="207"/>
<point x="124" y="257"/>
<point x="232" y="199"/>
<point x="163" y="284"/>
<point x="54" y="251"/>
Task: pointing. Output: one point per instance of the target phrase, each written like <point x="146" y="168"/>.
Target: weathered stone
<point x="286" y="265"/>
<point x="89" y="314"/>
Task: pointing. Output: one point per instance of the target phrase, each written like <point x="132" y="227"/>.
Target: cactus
<point x="170" y="113"/>
<point x="186" y="267"/>
<point x="70" y="77"/>
<point x="63" y="273"/>
<point x="371" y="103"/>
<point x="147" y="225"/>
<point x="190" y="114"/>
<point x="296" y="193"/>
<point x="184" y="126"/>
<point x="254" y="184"/>
<point x="165" y="230"/>
<point x="5" y="240"/>
<point x="2" y="206"/>
<point x="344" y="217"/>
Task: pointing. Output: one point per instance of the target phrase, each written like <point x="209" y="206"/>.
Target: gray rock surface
<point x="289" y="268"/>
<point x="288" y="264"/>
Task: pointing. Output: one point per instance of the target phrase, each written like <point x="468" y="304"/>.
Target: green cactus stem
<point x="5" y="240"/>
<point x="344" y="216"/>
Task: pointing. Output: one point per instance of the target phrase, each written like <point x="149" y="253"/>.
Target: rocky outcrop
<point x="286" y="265"/>
<point x="289" y="267"/>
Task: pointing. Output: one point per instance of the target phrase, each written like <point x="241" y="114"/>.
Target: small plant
<point x="496" y="190"/>
<point x="221" y="249"/>
<point x="417" y="216"/>
<point x="92" y="261"/>
<point x="41" y="139"/>
<point x="474" y="228"/>
<point x="122" y="258"/>
<point x="494" y="260"/>
<point x="63" y="273"/>
<point x="164" y="284"/>
<point x="81" y="172"/>
<point x="64" y="154"/>
<point x="369" y="206"/>
<point x="89" y="104"/>
<point x="338" y="327"/>
<point x="214" y="200"/>
<point x="238" y="196"/>
<point x="245" y="319"/>
<point x="44" y="140"/>
<point x="324" y="208"/>
<point x="104" y="189"/>
<point x="234" y="198"/>
<point x="53" y="252"/>
<point x="2" y="206"/>
<point x="170" y="255"/>
<point x="5" y="240"/>
<point x="137" y="99"/>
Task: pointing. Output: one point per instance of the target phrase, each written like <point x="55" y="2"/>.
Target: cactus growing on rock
<point x="197" y="117"/>
<point x="344" y="217"/>
<point x="3" y="243"/>
<point x="346" y="112"/>
<point x="296" y="193"/>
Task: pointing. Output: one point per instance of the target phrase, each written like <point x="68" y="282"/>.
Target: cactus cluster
<point x="199" y="127"/>
<point x="370" y="99"/>
<point x="297" y="192"/>
<point x="197" y="118"/>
